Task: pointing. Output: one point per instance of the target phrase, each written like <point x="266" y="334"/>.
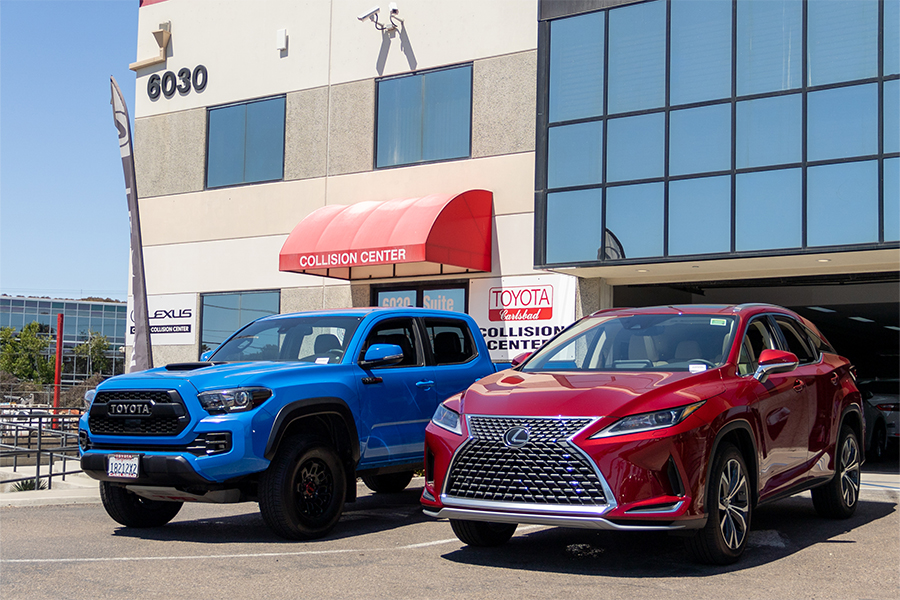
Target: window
<point x="700" y="215"/>
<point x="637" y="57"/>
<point x="573" y="225"/>
<point x="446" y="297"/>
<point x="700" y="140"/>
<point x="843" y="122"/>
<point x="843" y="193"/>
<point x="769" y="45"/>
<point x="451" y="341"/>
<point x="757" y="339"/>
<point x="769" y="131"/>
<point x="797" y="341"/>
<point x="575" y="154"/>
<point x="399" y="332"/>
<point x="843" y="40"/>
<point x="424" y="117"/>
<point x="246" y="143"/>
<point x="768" y="210"/>
<point x="701" y="51"/>
<point x="576" y="67"/>
<point x="223" y="314"/>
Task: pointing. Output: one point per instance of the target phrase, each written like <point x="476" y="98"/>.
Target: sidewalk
<point x="81" y="489"/>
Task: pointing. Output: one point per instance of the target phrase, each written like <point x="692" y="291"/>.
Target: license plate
<point x="123" y="465"/>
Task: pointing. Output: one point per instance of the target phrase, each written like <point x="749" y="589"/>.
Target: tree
<point x="23" y="355"/>
<point x="93" y="352"/>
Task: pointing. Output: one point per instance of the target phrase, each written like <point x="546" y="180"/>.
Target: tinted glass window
<point x="796" y="340"/>
<point x="769" y="131"/>
<point x="576" y="67"/>
<point x="575" y="154"/>
<point x="700" y="215"/>
<point x="451" y="341"/>
<point x="424" y="117"/>
<point x="843" y="40"/>
<point x="758" y="196"/>
<point x="842" y="204"/>
<point x="700" y="140"/>
<point x="701" y="51"/>
<point x="399" y="332"/>
<point x="223" y="314"/>
<point x="638" y="343"/>
<point x="842" y="122"/>
<point x="246" y="143"/>
<point x="573" y="225"/>
<point x="891" y="199"/>
<point x="637" y="57"/>
<point x="892" y="115"/>
<point x="639" y="236"/>
<point x="891" y="37"/>
<point x="769" y="45"/>
<point x="636" y="147"/>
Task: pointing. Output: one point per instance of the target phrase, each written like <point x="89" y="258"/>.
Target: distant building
<point x="80" y="317"/>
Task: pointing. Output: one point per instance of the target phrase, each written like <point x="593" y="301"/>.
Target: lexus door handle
<point x="424" y="384"/>
<point x="799" y="385"/>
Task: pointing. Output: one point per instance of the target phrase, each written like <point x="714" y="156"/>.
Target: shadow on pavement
<point x="778" y="530"/>
<point x="371" y="513"/>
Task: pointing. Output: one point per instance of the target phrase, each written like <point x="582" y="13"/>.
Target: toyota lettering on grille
<point x="130" y="409"/>
<point x="516" y="437"/>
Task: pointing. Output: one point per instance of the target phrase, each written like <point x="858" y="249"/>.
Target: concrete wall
<point x="170" y="153"/>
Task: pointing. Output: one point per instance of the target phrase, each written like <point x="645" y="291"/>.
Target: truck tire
<point x="483" y="534"/>
<point x="389" y="483"/>
<point x="301" y="494"/>
<point x="131" y="510"/>
<point x="838" y="498"/>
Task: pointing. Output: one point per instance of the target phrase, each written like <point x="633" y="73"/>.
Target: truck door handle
<point x="799" y="385"/>
<point x="424" y="384"/>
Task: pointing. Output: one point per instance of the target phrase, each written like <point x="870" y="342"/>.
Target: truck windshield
<point x="318" y="339"/>
<point x="638" y="343"/>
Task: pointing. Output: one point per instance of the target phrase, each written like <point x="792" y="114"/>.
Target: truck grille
<point x="167" y="413"/>
<point x="548" y="469"/>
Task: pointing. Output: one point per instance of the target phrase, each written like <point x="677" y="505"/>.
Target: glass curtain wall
<point x="685" y="128"/>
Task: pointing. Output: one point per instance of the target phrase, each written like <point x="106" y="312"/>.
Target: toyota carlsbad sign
<point x="519" y="314"/>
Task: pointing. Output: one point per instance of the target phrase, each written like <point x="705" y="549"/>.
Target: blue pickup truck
<point x="287" y="412"/>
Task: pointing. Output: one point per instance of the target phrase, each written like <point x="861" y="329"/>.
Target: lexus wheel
<point x="729" y="506"/>
<point x="301" y="494"/>
<point x="838" y="498"/>
<point x="132" y="510"/>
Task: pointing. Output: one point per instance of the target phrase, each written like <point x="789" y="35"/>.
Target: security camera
<point x="369" y="14"/>
<point x="394" y="9"/>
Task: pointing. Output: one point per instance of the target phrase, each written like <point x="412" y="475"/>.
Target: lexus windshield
<point x="644" y="342"/>
<point x="317" y="339"/>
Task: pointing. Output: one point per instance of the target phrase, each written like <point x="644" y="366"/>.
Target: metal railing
<point x="39" y="437"/>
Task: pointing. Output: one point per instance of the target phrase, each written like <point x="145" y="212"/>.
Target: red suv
<point x="676" y="418"/>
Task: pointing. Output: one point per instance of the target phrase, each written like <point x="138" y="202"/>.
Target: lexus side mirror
<point x="518" y="360"/>
<point x="774" y="361"/>
<point x="381" y="355"/>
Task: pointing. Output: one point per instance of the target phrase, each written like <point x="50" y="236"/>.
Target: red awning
<point x="441" y="233"/>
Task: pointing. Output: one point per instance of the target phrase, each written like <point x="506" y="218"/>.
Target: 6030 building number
<point x="181" y="82"/>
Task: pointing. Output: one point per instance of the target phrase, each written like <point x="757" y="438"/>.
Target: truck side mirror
<point x="382" y="355"/>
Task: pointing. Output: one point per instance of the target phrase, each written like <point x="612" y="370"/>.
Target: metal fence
<point x="43" y="438"/>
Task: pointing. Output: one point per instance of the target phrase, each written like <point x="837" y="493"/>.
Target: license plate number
<point x="123" y="465"/>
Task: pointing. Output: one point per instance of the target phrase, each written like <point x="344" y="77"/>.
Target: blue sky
<point x="63" y="213"/>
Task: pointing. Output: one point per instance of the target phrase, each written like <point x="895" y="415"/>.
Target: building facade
<point x="303" y="155"/>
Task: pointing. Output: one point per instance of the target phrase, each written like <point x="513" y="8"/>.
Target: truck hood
<point x="216" y="376"/>
<point x="593" y="394"/>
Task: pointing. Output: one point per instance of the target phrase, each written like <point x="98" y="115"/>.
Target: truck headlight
<point x="233" y="400"/>
<point x="448" y="419"/>
<point x="648" y="421"/>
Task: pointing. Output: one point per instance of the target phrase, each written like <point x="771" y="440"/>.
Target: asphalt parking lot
<point x="384" y="547"/>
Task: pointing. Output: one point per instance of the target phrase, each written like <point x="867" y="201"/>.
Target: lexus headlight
<point x="448" y="419"/>
<point x="648" y="421"/>
<point x="233" y="400"/>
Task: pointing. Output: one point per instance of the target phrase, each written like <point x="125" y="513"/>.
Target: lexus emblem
<point x="515" y="437"/>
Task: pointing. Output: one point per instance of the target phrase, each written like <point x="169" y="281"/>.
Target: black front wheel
<point x="301" y="494"/>
<point x="729" y="506"/>
<point x="131" y="510"/>
<point x="479" y="533"/>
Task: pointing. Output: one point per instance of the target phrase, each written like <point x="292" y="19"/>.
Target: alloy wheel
<point x="315" y="488"/>
<point x="849" y="469"/>
<point x="734" y="504"/>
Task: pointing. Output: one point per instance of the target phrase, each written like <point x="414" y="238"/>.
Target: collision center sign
<point x="173" y="319"/>
<point x="519" y="314"/>
<point x="359" y="258"/>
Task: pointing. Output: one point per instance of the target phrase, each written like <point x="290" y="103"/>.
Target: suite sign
<point x="358" y="258"/>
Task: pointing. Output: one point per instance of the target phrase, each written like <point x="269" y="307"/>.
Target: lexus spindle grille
<point x="547" y="469"/>
<point x="167" y="413"/>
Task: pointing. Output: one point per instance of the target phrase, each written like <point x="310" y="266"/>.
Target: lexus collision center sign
<point x="519" y="314"/>
<point x="173" y="319"/>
